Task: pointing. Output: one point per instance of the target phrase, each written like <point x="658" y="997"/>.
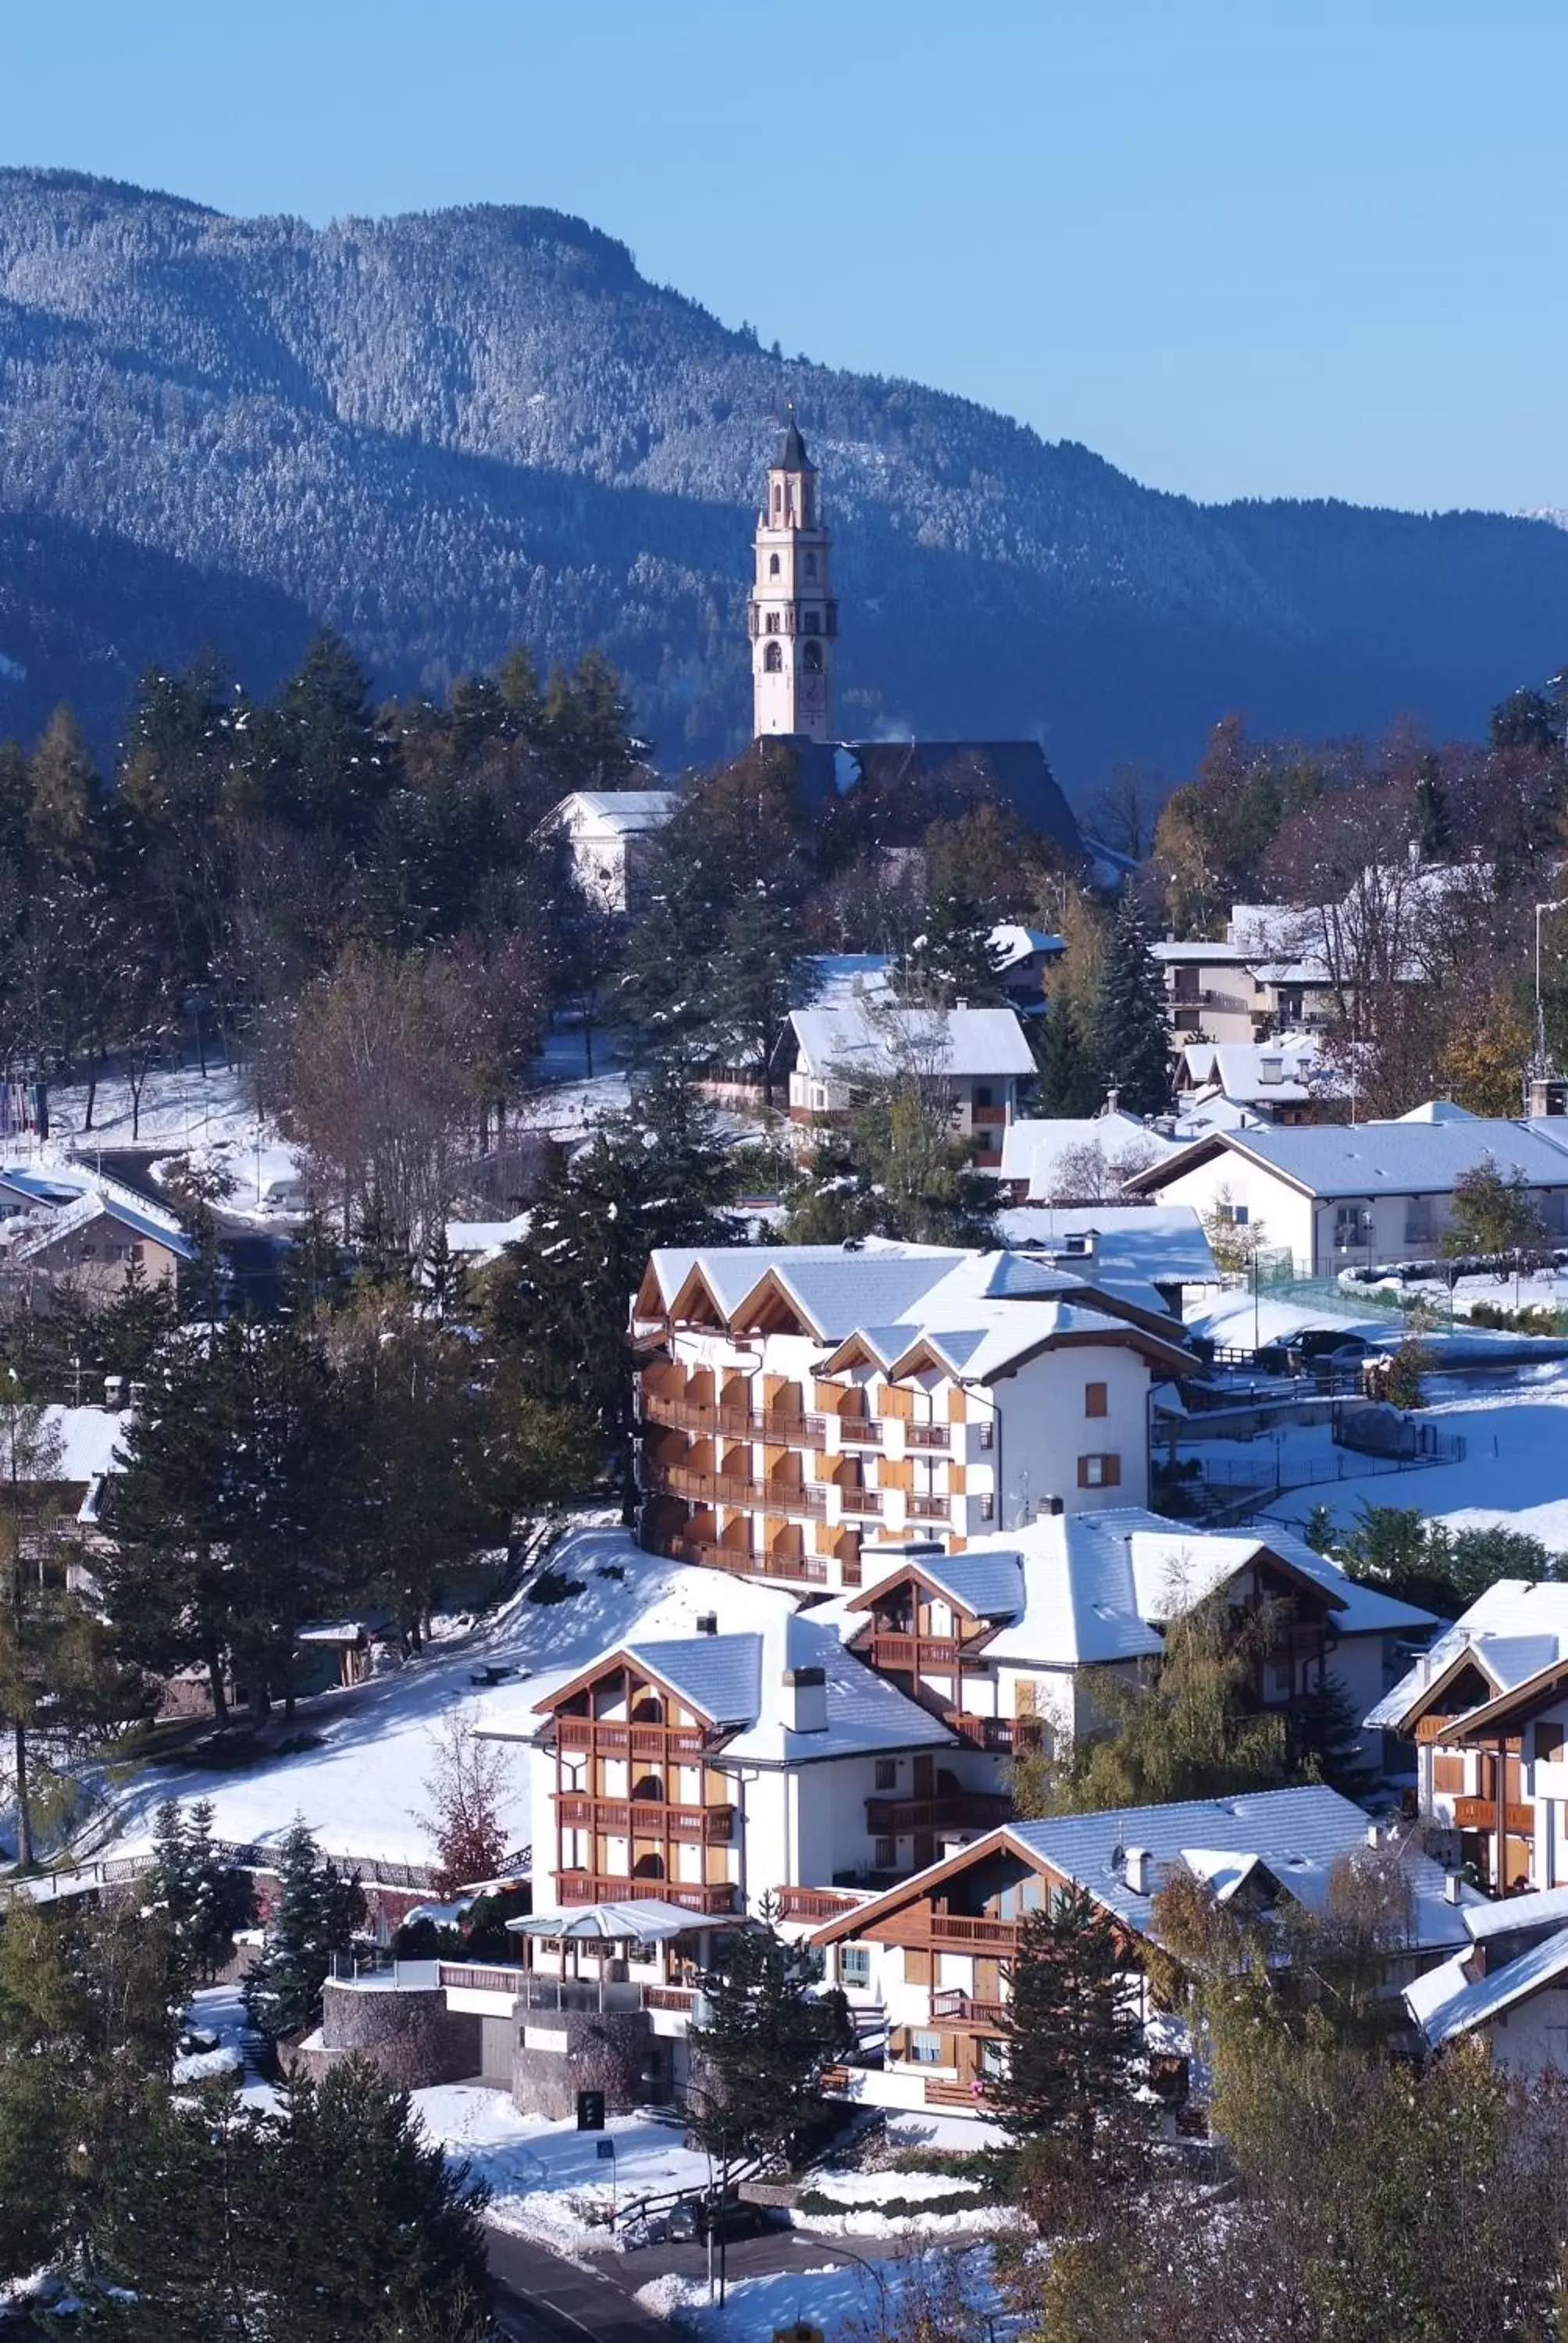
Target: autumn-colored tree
<point x="1483" y="1058"/>
<point x="468" y="1787"/>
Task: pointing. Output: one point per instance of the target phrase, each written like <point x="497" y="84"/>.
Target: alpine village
<point x="783" y="1521"/>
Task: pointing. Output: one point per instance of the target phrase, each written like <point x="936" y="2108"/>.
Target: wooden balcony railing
<point x="834" y="2078"/>
<point x="928" y="1508"/>
<point x="1481" y="1814"/>
<point x="688" y="1895"/>
<point x="958" y="1810"/>
<point x="991" y="1116"/>
<point x="859" y="1432"/>
<point x="772" y="1496"/>
<point x="469" y="1976"/>
<point x="860" y="1500"/>
<point x="814" y="1903"/>
<point x="783" y="1429"/>
<point x="957" y="1928"/>
<point x="607" y="1738"/>
<point x="646" y="1818"/>
<point x="887" y="1648"/>
<point x="953" y="2009"/>
<point x="799" y="1569"/>
<point x="941" y="2093"/>
<point x="928" y="1436"/>
<point x="1000" y="1734"/>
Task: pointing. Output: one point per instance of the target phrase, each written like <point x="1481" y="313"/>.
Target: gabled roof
<point x="1511" y="1632"/>
<point x="869" y="1037"/>
<point x="1154" y="1245"/>
<point x="986" y="1585"/>
<point x="1296" y="1835"/>
<point x="1445" y="2004"/>
<point x="625" y="813"/>
<point x="1371" y="1159"/>
<point x="1033" y="1148"/>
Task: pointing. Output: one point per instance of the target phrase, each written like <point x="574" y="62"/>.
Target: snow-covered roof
<point x="89" y="1441"/>
<point x="1396" y="1158"/>
<point x="1012" y="945"/>
<point x="1032" y="1149"/>
<point x="623" y="813"/>
<point x="861" y="1037"/>
<point x="1158" y="1244"/>
<point x="1285" y="1073"/>
<point x="1438" y="1111"/>
<point x="1545" y="1908"/>
<point x="1100" y="1586"/>
<point x="1515" y="1630"/>
<point x="487" y="1237"/>
<point x="834" y="977"/>
<point x="1445" y="2004"/>
<point x="976" y="1312"/>
<point x="719" y="1675"/>
<point x="1297" y="1835"/>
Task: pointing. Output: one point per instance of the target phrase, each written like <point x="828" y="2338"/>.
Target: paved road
<point x="542" y="2298"/>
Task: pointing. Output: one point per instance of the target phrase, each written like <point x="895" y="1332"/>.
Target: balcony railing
<point x="814" y="1903"/>
<point x="688" y="1895"/>
<point x="957" y="1928"/>
<point x="859" y="1432"/>
<point x="928" y="1436"/>
<point x="607" y="1737"/>
<point x="860" y="1500"/>
<point x="799" y="1569"/>
<point x="892" y="1650"/>
<point x="991" y="1116"/>
<point x="568" y="1996"/>
<point x="1481" y="1814"/>
<point x="957" y="1810"/>
<point x="928" y="1508"/>
<point x="646" y="1818"/>
<point x="731" y="1489"/>
<point x="941" y="2093"/>
<point x="1000" y="1734"/>
<point x="962" y="2009"/>
<point x="784" y="1430"/>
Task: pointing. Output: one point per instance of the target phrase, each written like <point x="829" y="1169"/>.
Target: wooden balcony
<point x="607" y="1737"/>
<point x="886" y="1648"/>
<point x="833" y="2079"/>
<point x="799" y="1569"/>
<point x="1431" y="1728"/>
<point x="708" y="1901"/>
<point x="646" y="1818"/>
<point x="941" y="2093"/>
<point x="860" y="1500"/>
<point x="961" y="2009"/>
<point x="928" y="1436"/>
<point x="958" y="1810"/>
<point x="1480" y="1815"/>
<point x="859" y="1432"/>
<point x="957" y="1928"/>
<point x="1003" y="1735"/>
<point x="814" y="1903"/>
<point x="784" y="1428"/>
<point x="928" y="1508"/>
<point x="992" y="1117"/>
<point x="771" y="1496"/>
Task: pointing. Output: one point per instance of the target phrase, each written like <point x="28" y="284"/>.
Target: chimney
<point x="708" y="1623"/>
<point x="1113" y="1100"/>
<point x="1135" y="1870"/>
<point x="1051" y="1506"/>
<point x="961" y="1004"/>
<point x="1450" y="1887"/>
<point x="1375" y="1837"/>
<point x="805" y="1700"/>
<point x="114" y="1391"/>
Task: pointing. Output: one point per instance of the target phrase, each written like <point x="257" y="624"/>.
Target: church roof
<point x="1014" y="771"/>
<point x="792" y="456"/>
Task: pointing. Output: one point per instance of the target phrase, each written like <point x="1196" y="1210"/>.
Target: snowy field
<point x="955" y="2292"/>
<point x="548" y="2180"/>
<point x="1514" y="1474"/>
<point x="208" y="1117"/>
<point x="363" y="1791"/>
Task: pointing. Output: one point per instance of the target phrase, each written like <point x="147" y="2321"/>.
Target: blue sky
<point x="1237" y="246"/>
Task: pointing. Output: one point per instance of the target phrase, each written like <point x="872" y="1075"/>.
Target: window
<point x="1548" y="1743"/>
<point x="988" y="1507"/>
<point x="810" y="622"/>
<point x="855" y="1964"/>
<point x="886" y="1773"/>
<point x="778" y="496"/>
<point x="1096" y="1399"/>
<point x="773" y="565"/>
<point x="811" y="566"/>
<point x="812" y="662"/>
<point x="1352" y="1226"/>
<point x="1099" y="1471"/>
<point x="772" y="626"/>
<point x="988" y="1435"/>
<point x="983" y="1095"/>
<point x="992" y="2059"/>
<point x="773" y="660"/>
<point x="925" y="2049"/>
<point x="1231" y="1215"/>
<point x="884" y="1854"/>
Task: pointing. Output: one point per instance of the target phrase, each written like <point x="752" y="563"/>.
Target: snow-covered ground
<point x="956" y="2291"/>
<point x="210" y="1117"/>
<point x="548" y="2179"/>
<point x="363" y="1791"/>
<point x="1514" y="1473"/>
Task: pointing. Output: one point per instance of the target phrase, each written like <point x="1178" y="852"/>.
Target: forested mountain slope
<point x="441" y="433"/>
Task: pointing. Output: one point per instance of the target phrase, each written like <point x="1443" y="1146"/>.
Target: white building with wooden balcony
<point x="799" y="1401"/>
<point x="1487" y="1708"/>
<point x="978" y="1061"/>
<point x="925" y="1965"/>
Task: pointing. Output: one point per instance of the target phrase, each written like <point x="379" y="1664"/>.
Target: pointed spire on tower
<point x="792" y="456"/>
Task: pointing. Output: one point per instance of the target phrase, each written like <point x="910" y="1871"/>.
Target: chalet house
<point x="976" y="1061"/>
<point x="1164" y="1247"/>
<point x="925" y="1964"/>
<point x="1276" y="1083"/>
<point x="608" y="834"/>
<point x="797" y="1400"/>
<point x="1006" y="1640"/>
<point x="1341" y="1196"/>
<point x="87" y="1231"/>
<point x="1076" y="1160"/>
<point x="1508" y="1988"/>
<point x="1487" y="1707"/>
<point x="1023" y="957"/>
<point x="710" y="1770"/>
<point x="1242" y="990"/>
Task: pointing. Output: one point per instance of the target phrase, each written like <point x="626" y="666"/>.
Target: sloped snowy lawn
<point x="363" y="1791"/>
<point x="548" y="2179"/>
<point x="1514" y="1474"/>
<point x="844" y="2300"/>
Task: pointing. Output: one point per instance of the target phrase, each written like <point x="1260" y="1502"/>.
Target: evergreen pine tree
<point x="767" y="2034"/>
<point x="663" y="1007"/>
<point x="952" y="960"/>
<point x="1132" y="1046"/>
<point x="1071" y="2032"/>
<point x="755" y="981"/>
<point x="318" y="1910"/>
<point x="517" y="681"/>
<point x="183" y="2243"/>
<point x="129" y="1328"/>
<point x="1069" y="1081"/>
<point x="61" y="818"/>
<point x="1434" y="829"/>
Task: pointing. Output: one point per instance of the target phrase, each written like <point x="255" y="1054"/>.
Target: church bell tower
<point x="791" y="618"/>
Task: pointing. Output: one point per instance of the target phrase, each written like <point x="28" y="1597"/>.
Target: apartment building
<point x="925" y="1965"/>
<point x="977" y="1061"/>
<point x="796" y="1402"/>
